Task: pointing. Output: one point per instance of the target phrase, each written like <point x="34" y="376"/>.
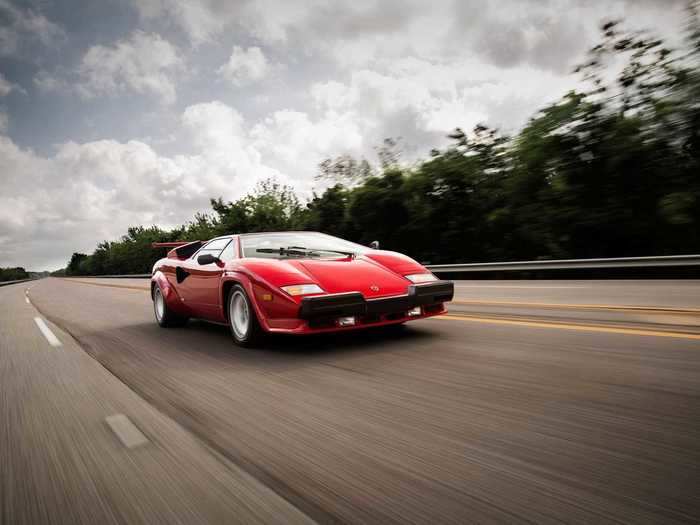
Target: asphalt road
<point x="548" y="401"/>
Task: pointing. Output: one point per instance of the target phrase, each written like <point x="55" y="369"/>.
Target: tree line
<point x="13" y="274"/>
<point x="611" y="169"/>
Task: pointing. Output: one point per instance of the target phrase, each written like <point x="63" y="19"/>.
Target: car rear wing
<point x="181" y="249"/>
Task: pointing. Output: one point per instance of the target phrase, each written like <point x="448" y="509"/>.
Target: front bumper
<point x="354" y="303"/>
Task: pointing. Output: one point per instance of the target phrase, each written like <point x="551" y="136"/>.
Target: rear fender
<point x="172" y="298"/>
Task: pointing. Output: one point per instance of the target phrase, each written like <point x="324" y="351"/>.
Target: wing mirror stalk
<point x="374" y="245"/>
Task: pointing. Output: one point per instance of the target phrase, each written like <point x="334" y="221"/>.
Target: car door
<point x="200" y="288"/>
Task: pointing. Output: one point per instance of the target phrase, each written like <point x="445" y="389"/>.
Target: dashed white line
<point x="126" y="431"/>
<point x="26" y="299"/>
<point x="50" y="337"/>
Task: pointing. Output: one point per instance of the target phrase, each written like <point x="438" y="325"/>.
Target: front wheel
<point x="165" y="317"/>
<point x="244" y="323"/>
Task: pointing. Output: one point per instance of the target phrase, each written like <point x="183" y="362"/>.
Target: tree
<point x="13" y="274"/>
<point x="73" y="267"/>
<point x="271" y="206"/>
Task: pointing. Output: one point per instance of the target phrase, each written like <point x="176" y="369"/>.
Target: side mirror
<point x="207" y="258"/>
<point x="374" y="245"/>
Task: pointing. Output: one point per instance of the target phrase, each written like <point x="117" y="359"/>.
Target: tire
<point x="242" y="319"/>
<point x="165" y="317"/>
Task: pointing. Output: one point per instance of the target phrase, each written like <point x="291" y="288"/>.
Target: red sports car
<point x="291" y="282"/>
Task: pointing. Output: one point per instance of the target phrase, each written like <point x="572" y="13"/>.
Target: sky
<point x="123" y="113"/>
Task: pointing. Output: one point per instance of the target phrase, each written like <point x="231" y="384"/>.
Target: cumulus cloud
<point x="245" y="66"/>
<point x="21" y="27"/>
<point x="89" y="192"/>
<point x="421" y="101"/>
<point x="144" y="63"/>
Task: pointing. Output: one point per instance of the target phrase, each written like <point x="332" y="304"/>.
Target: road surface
<point x="542" y="402"/>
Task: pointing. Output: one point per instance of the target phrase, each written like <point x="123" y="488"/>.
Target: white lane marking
<point x="126" y="431"/>
<point x="27" y="300"/>
<point x="50" y="337"/>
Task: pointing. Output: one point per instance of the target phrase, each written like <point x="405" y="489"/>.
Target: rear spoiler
<point x="181" y="249"/>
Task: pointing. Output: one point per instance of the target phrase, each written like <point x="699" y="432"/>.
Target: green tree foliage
<point x="610" y="170"/>
<point x="13" y="274"/>
<point x="271" y="206"/>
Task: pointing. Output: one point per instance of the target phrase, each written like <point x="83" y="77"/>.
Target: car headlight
<point x="302" y="289"/>
<point x="417" y="278"/>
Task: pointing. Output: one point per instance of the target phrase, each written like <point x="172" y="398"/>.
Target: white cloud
<point x="293" y="144"/>
<point x="144" y="63"/>
<point x="245" y="66"/>
<point x="422" y="101"/>
<point x="5" y="86"/>
<point x="21" y="27"/>
<point x="89" y="192"/>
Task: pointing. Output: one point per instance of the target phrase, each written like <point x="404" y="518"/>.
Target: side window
<point x="228" y="253"/>
<point x="214" y="247"/>
<point x="216" y="244"/>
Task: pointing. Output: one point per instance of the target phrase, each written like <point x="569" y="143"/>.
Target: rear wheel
<point x="165" y="316"/>
<point x="245" y="328"/>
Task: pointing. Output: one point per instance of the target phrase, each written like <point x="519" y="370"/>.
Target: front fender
<point x="258" y="289"/>
<point x="172" y="298"/>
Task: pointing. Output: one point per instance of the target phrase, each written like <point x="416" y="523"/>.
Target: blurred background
<point x="607" y="168"/>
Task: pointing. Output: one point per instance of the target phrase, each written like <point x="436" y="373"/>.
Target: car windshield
<point x="284" y="245"/>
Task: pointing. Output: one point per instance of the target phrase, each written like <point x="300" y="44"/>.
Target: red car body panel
<point x="201" y="291"/>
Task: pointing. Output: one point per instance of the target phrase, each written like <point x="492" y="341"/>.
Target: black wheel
<point x="165" y="317"/>
<point x="242" y="319"/>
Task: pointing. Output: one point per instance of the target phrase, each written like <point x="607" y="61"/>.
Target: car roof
<point x="232" y="235"/>
<point x="283" y="231"/>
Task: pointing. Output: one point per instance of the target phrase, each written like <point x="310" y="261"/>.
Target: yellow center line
<point x="685" y="310"/>
<point x="578" y="327"/>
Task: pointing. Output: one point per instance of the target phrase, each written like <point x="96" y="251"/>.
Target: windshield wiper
<point x="280" y="251"/>
<point x="301" y="251"/>
<point x="317" y="250"/>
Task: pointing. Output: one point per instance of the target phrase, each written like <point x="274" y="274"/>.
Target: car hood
<point x="362" y="274"/>
<point x="354" y="275"/>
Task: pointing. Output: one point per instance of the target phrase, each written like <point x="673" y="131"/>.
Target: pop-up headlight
<point x="302" y="289"/>
<point x="417" y="278"/>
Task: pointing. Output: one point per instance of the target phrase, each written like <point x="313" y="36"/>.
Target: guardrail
<point x="125" y="276"/>
<point x="561" y="264"/>
<point x="6" y="283"/>
<point x="567" y="264"/>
